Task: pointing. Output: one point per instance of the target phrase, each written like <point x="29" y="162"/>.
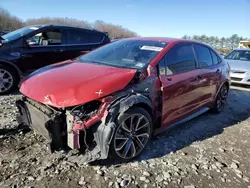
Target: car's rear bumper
<point x="240" y="78"/>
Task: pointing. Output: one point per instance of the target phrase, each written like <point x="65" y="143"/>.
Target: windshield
<point x="125" y="53"/>
<point x="243" y="55"/>
<point x="19" y="33"/>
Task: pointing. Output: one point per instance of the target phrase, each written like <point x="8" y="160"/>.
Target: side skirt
<point x="188" y="118"/>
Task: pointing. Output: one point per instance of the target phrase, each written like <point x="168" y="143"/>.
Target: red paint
<point x="78" y="126"/>
<point x="181" y="95"/>
<point x="76" y="83"/>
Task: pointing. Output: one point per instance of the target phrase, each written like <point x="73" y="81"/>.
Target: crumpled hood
<point x="70" y="83"/>
<point x="239" y="65"/>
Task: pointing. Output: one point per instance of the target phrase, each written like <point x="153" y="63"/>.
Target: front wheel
<point x="221" y="99"/>
<point x="134" y="130"/>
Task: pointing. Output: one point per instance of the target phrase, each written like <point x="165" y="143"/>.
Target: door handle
<point x="199" y="77"/>
<point x="58" y="50"/>
<point x="169" y="79"/>
<point x="218" y="70"/>
<point x="26" y="55"/>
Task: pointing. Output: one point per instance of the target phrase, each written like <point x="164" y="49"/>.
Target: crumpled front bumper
<point x="40" y="119"/>
<point x="55" y="127"/>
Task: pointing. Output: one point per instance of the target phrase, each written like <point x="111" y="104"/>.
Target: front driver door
<point x="180" y="83"/>
<point x="43" y="48"/>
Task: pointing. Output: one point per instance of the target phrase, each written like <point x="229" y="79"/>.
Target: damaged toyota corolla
<point x="109" y="102"/>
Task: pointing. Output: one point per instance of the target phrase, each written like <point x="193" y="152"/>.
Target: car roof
<point x="164" y="39"/>
<point x="242" y="49"/>
<point x="63" y="25"/>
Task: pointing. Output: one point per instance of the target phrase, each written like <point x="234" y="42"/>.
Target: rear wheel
<point x="221" y="99"/>
<point x="132" y="134"/>
<point x="8" y="79"/>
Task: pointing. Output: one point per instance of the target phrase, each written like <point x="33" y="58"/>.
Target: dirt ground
<point x="209" y="151"/>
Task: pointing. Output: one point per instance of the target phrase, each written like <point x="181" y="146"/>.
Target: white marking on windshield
<point x="152" y="48"/>
<point x="139" y="64"/>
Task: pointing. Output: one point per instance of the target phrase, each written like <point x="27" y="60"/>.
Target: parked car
<point x="27" y="49"/>
<point x="3" y="32"/>
<point x="239" y="61"/>
<point x="110" y="101"/>
<point x="222" y="55"/>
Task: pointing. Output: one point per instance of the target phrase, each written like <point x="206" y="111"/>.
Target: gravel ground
<point x="209" y="151"/>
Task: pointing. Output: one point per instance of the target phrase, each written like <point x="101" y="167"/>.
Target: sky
<point x="163" y="18"/>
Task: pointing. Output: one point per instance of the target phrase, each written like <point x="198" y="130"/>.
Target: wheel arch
<point x="129" y="101"/>
<point x="104" y="134"/>
<point x="146" y="107"/>
<point x="126" y="102"/>
<point x="13" y="66"/>
<point x="224" y="83"/>
<point x="227" y="84"/>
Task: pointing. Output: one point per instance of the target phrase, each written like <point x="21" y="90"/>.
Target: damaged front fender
<point x="104" y="127"/>
<point x="123" y="103"/>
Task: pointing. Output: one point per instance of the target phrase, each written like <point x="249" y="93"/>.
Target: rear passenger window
<point x="180" y="59"/>
<point x="215" y="58"/>
<point x="203" y="55"/>
<point x="84" y="37"/>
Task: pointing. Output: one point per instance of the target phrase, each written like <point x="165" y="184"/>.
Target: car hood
<point x="70" y="83"/>
<point x="239" y="65"/>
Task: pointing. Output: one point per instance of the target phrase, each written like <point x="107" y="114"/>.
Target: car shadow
<point x="200" y="128"/>
<point x="14" y="92"/>
<point x="5" y="133"/>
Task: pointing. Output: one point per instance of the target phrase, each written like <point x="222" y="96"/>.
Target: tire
<point x="132" y="140"/>
<point x="8" y="79"/>
<point x="221" y="100"/>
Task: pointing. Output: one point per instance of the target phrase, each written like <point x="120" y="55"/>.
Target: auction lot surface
<point x="209" y="151"/>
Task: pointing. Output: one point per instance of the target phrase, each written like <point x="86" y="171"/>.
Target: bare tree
<point x="66" y="20"/>
<point x="8" y="21"/>
<point x="114" y="31"/>
<point x="228" y="43"/>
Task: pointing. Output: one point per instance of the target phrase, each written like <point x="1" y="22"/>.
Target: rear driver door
<point x="211" y="72"/>
<point x="81" y="41"/>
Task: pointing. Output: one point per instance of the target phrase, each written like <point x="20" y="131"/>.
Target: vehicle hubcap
<point x="132" y="136"/>
<point x="222" y="98"/>
<point x="6" y="80"/>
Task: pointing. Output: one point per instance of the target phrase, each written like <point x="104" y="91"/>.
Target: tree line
<point x="222" y="44"/>
<point x="8" y="22"/>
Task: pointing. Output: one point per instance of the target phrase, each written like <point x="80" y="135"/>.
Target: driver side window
<point x="46" y="38"/>
<point x="180" y="59"/>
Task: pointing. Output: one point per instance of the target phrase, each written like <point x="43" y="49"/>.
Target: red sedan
<point x="109" y="102"/>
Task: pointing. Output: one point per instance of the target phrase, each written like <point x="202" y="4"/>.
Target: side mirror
<point x="31" y="43"/>
<point x="25" y="44"/>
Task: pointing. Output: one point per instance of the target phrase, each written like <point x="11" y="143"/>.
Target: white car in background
<point x="239" y="61"/>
